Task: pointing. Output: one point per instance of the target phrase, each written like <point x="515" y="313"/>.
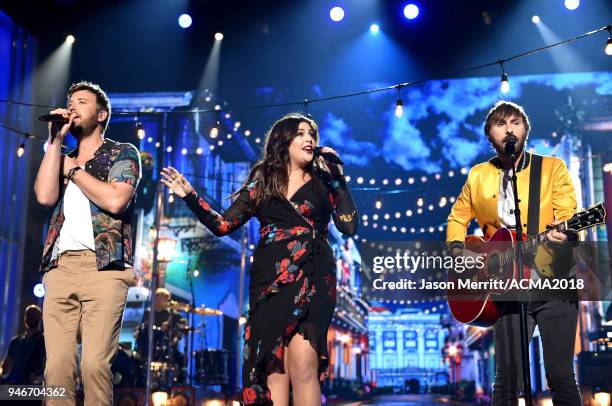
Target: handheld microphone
<point x="53" y="118"/>
<point x="328" y="156"/>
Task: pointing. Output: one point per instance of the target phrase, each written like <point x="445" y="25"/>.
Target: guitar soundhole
<point x="494" y="268"/>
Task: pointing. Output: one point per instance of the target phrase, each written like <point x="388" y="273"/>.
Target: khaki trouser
<point x="85" y="305"/>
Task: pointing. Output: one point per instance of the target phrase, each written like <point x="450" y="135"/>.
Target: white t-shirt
<point x="505" y="206"/>
<point x="77" y="231"/>
<point x="505" y="203"/>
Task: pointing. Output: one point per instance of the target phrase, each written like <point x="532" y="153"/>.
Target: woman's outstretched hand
<point x="176" y="182"/>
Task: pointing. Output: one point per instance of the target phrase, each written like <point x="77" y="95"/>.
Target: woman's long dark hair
<point x="270" y="171"/>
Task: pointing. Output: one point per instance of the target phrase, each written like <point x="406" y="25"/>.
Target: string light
<point x="214" y="131"/>
<point x="608" y="48"/>
<point x="505" y="83"/>
<point x="411" y="180"/>
<point x="376" y="90"/>
<point x="409" y="212"/>
<point x="140" y="131"/>
<point x="21" y="149"/>
<point x="413" y="230"/>
<point x="378" y="203"/>
<point x="399" y="105"/>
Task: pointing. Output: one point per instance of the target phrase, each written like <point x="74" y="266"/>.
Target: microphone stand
<point x="524" y="330"/>
<point x="159" y="206"/>
<point x="191" y="318"/>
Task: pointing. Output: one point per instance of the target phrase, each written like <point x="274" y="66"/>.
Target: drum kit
<point x="169" y="365"/>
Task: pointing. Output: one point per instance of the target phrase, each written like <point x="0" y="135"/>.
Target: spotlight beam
<point x="51" y="77"/>
<point x="210" y="77"/>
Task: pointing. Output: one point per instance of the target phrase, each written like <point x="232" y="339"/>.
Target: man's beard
<point x="500" y="149"/>
<point x="85" y="128"/>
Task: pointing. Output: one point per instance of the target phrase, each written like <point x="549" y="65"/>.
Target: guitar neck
<point x="530" y="244"/>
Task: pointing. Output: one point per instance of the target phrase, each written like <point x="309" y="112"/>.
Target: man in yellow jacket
<point x="488" y="196"/>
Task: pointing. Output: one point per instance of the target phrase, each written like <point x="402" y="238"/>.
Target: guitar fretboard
<point x="530" y="244"/>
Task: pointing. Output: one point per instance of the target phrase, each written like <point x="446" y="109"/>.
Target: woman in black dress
<point x="292" y="294"/>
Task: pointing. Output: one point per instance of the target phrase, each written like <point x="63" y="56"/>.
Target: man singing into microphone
<point x="87" y="256"/>
<point x="488" y="196"/>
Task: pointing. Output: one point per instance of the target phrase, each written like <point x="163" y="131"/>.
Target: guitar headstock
<point x="592" y="216"/>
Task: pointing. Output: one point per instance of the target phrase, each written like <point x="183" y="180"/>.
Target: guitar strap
<point x="535" y="176"/>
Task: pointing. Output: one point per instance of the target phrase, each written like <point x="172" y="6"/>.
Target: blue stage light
<point x="374" y="28"/>
<point x="411" y="11"/>
<point x="572" y="4"/>
<point x="336" y="14"/>
<point x="185" y="21"/>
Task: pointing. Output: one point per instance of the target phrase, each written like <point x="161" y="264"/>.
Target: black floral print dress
<point x="293" y="274"/>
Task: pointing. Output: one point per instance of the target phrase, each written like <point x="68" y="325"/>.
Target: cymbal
<point x="181" y="307"/>
<point x="207" y="311"/>
<point x="184" y="307"/>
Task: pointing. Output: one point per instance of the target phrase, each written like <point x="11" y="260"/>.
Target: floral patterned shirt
<point x="113" y="234"/>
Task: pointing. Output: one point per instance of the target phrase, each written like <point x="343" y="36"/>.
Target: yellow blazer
<point x="479" y="197"/>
